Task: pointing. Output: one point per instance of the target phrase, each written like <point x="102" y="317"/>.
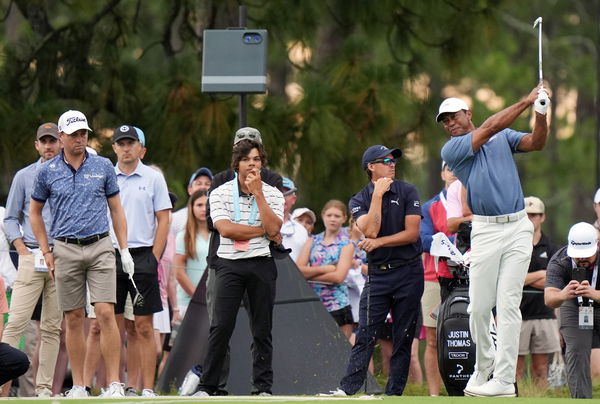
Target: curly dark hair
<point x="243" y="148"/>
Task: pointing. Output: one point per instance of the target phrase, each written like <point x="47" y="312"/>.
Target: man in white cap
<point x="572" y="285"/>
<point x="481" y="158"/>
<point x="79" y="188"/>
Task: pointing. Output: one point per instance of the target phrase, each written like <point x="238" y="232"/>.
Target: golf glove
<point x="127" y="262"/>
<point x="542" y="102"/>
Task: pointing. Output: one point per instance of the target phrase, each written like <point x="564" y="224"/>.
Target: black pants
<point x="398" y="290"/>
<point x="256" y="277"/>
<point x="13" y="363"/>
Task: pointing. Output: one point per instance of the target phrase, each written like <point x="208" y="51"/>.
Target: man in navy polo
<point x="146" y="203"/>
<point x="388" y="212"/>
<point x="79" y="187"/>
<point x="501" y="236"/>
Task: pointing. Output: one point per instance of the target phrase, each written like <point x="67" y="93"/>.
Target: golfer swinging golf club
<point x="501" y="238"/>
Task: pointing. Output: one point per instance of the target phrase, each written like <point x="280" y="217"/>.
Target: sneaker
<point x="44" y="392"/>
<point x="77" y="392"/>
<point x="115" y="390"/>
<point x="149" y="393"/>
<point x="191" y="381"/>
<point x="201" y="393"/>
<point x="131" y="392"/>
<point x="264" y="393"/>
<point x="493" y="388"/>
<point x="479" y="378"/>
<point x="334" y="393"/>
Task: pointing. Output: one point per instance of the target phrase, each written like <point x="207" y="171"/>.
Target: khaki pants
<point x="28" y="287"/>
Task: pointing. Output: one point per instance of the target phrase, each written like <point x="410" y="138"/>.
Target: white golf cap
<point x="534" y="205"/>
<point x="304" y="211"/>
<point x="451" y="105"/>
<point x="583" y="241"/>
<point x="597" y="196"/>
<point x="71" y="121"/>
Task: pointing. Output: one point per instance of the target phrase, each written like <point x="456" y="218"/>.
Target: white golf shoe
<point x="493" y="388"/>
<point x="334" y="393"/>
<point x="479" y="378"/>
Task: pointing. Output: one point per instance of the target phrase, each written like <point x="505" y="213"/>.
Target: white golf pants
<point x="500" y="255"/>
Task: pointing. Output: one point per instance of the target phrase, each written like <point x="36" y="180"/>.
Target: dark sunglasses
<point x="386" y="161"/>
<point x="246" y="135"/>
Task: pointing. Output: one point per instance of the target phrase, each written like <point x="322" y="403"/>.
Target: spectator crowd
<point x="99" y="259"/>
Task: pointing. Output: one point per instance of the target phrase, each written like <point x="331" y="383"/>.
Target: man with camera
<point x="571" y="284"/>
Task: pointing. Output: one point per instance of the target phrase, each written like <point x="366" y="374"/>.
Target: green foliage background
<point x="139" y="62"/>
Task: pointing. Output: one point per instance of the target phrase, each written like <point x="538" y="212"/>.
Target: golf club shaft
<point x="541" y="77"/>
<point x="134" y="285"/>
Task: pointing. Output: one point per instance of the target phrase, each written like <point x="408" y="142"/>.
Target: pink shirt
<point x="453" y="197"/>
<point x="164" y="269"/>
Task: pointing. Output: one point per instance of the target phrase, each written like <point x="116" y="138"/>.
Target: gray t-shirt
<point x="558" y="275"/>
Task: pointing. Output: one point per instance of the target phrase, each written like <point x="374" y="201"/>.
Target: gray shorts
<point x="75" y="265"/>
<point x="539" y="336"/>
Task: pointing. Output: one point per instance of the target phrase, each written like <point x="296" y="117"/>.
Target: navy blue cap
<point x="376" y="152"/>
<point x="125" y="132"/>
<point x="201" y="171"/>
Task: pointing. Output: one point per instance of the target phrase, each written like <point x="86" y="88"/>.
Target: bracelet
<point x="174" y="310"/>
<point x="47" y="252"/>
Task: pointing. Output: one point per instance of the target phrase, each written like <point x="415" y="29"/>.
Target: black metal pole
<point x="242" y="103"/>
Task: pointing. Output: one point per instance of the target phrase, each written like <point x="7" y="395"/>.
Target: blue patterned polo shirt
<point x="77" y="198"/>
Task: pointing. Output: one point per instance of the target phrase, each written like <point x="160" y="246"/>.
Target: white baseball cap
<point x="534" y="204"/>
<point x="71" y="121"/>
<point x="452" y="104"/>
<point x="597" y="196"/>
<point x="583" y="241"/>
<point x="304" y="211"/>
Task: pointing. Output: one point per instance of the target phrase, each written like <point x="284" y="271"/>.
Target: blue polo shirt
<point x="77" y="198"/>
<point x="400" y="201"/>
<point x="490" y="174"/>
<point x="143" y="193"/>
<point x="16" y="221"/>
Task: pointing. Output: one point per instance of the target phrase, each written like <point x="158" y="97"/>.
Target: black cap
<point x="125" y="132"/>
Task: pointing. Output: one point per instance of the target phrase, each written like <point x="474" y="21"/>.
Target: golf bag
<point x="456" y="349"/>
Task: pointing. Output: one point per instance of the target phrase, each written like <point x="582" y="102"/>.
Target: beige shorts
<point x="539" y="337"/>
<point x="76" y="265"/>
<point x="429" y="301"/>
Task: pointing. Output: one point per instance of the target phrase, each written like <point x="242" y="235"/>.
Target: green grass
<point x="288" y="399"/>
